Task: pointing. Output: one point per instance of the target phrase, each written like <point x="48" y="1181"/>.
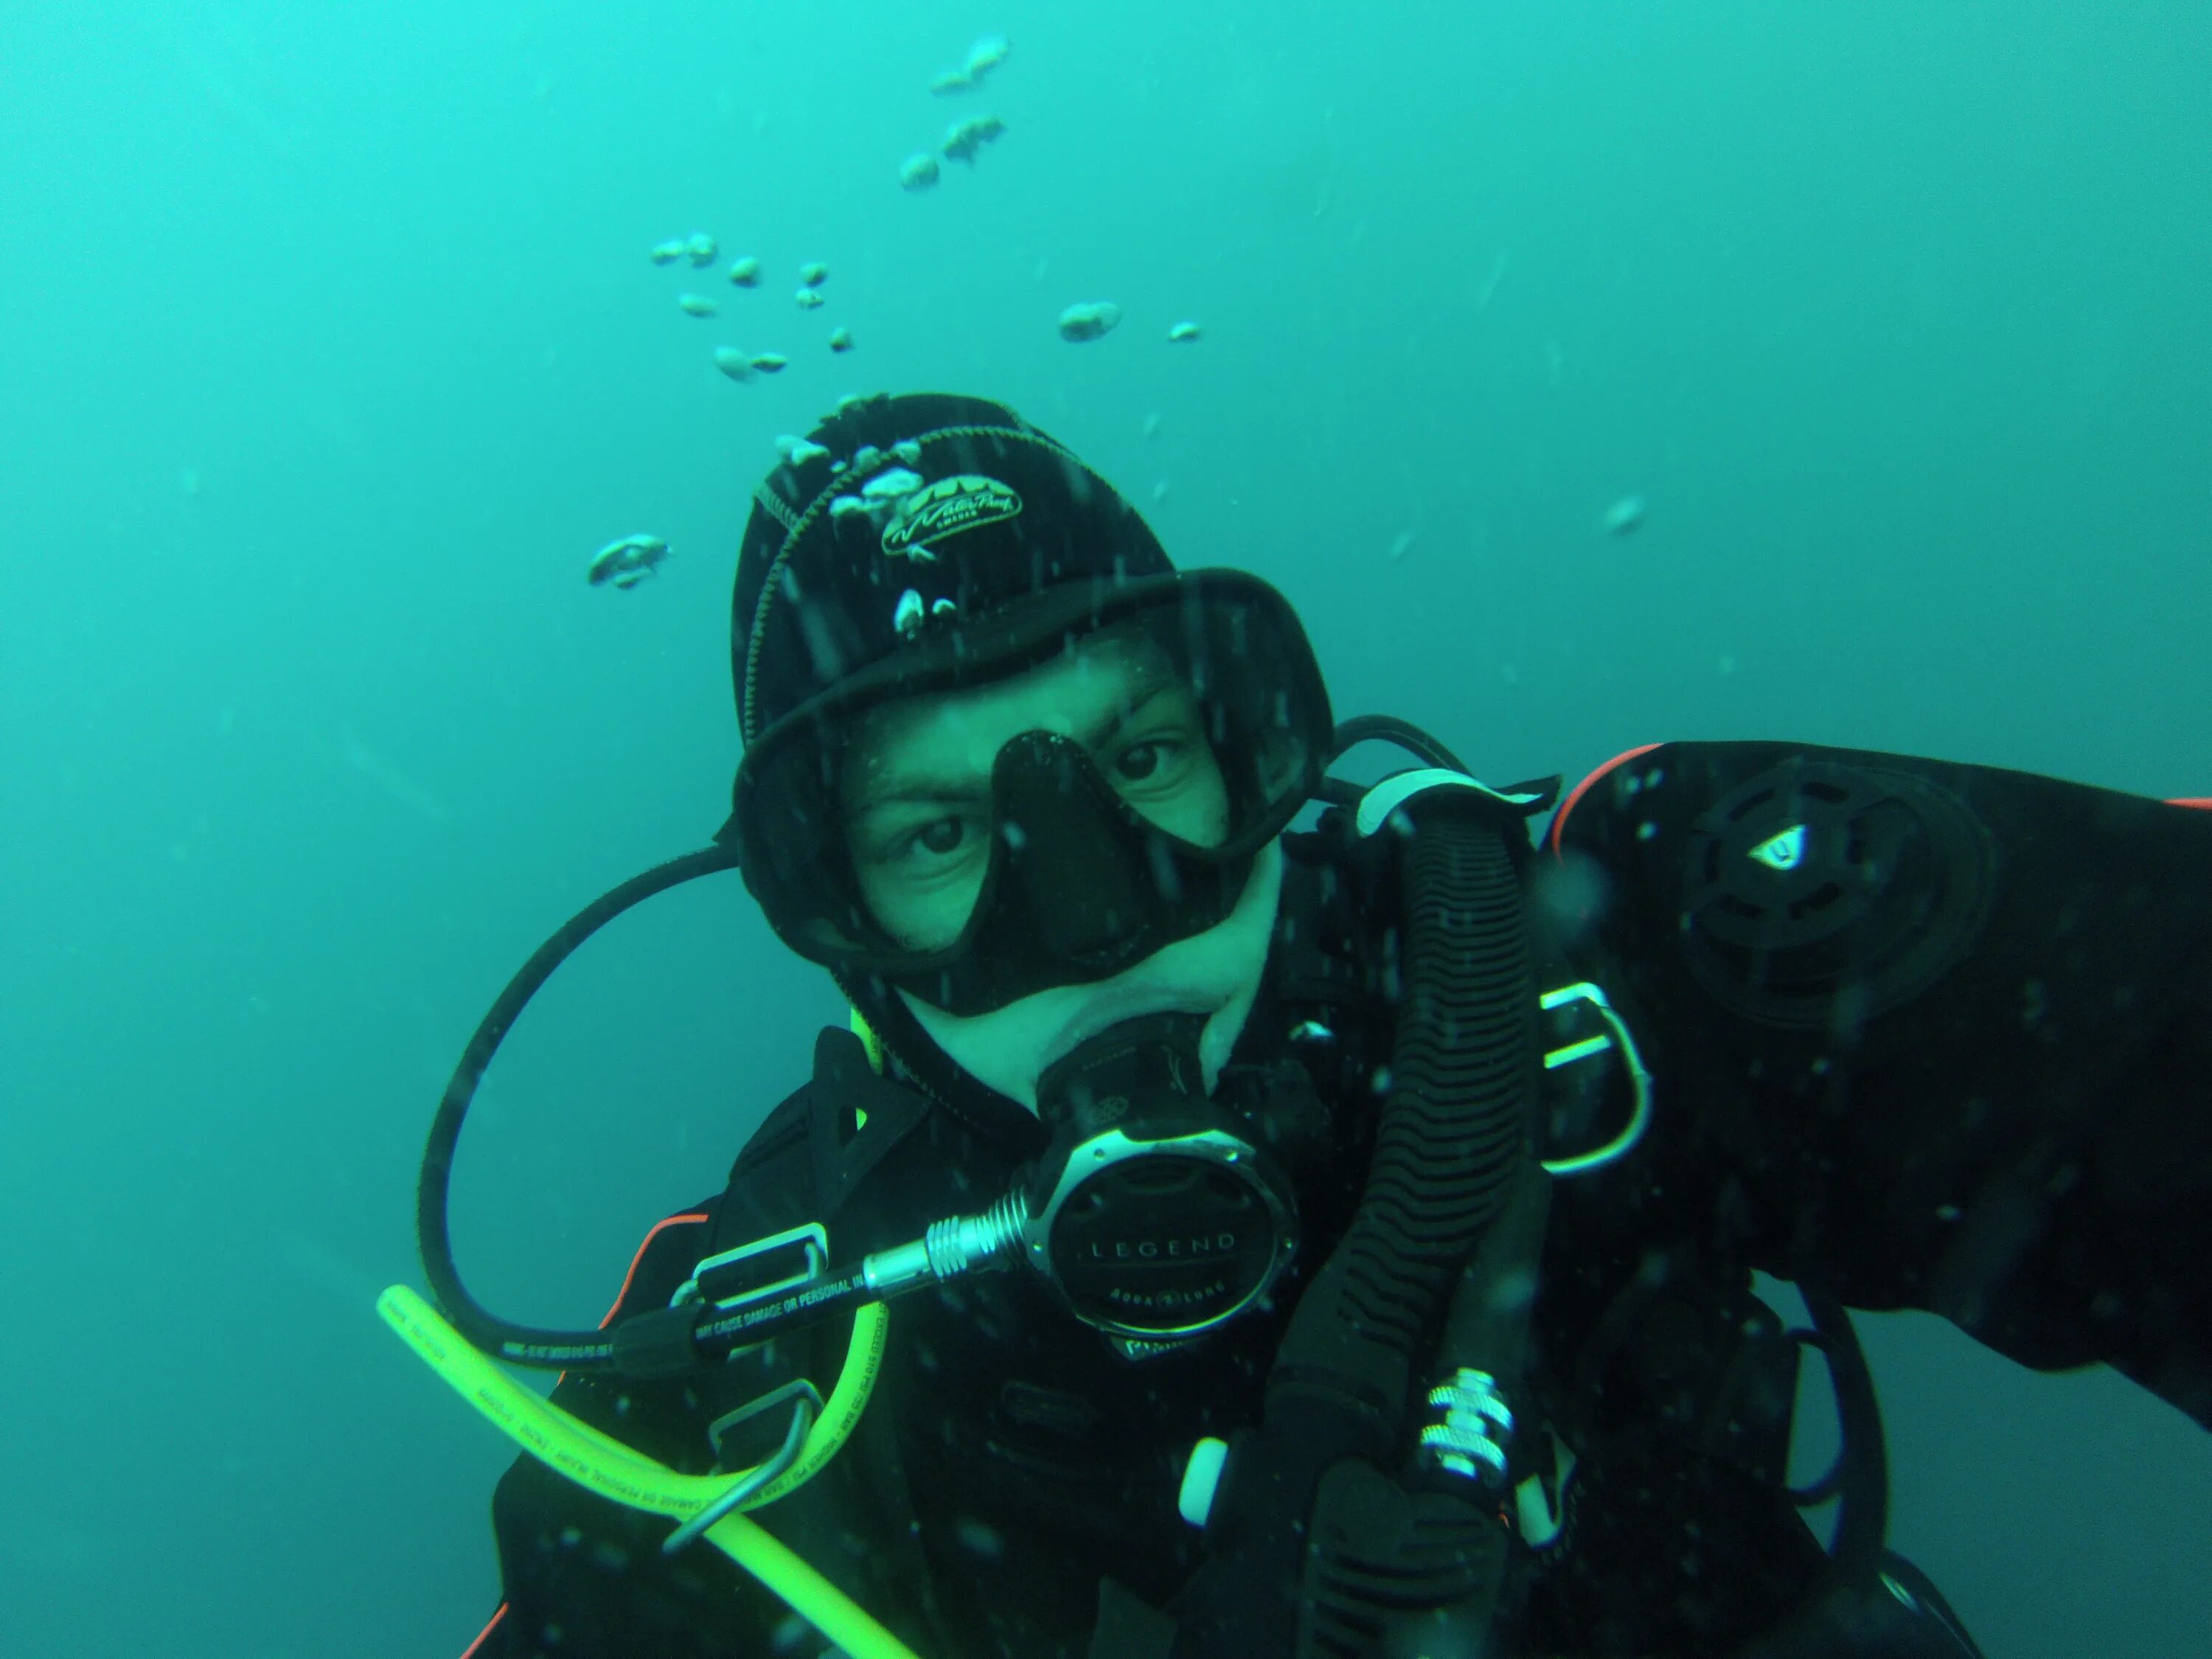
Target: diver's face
<point x="916" y="784"/>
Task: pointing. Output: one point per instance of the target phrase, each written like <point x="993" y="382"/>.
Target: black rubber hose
<point x="524" y="1345"/>
<point x="1460" y="1206"/>
<point x="1418" y="1564"/>
<point x="1862" y="1521"/>
<point x="1455" y="1124"/>
<point x="1389" y="728"/>
<point x="1455" y="1121"/>
<point x="1856" y="1558"/>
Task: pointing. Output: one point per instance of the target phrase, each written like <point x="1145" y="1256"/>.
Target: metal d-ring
<point x="806" y="1406"/>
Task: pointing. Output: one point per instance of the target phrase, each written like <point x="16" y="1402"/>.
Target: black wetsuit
<point x="1967" y="1073"/>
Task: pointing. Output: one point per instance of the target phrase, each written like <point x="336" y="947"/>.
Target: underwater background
<point x="330" y="349"/>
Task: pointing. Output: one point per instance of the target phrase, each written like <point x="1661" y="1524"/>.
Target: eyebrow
<point x="909" y="789"/>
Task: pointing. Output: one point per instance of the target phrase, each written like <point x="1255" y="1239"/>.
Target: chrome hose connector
<point x="1473" y="1424"/>
<point x="961" y="1243"/>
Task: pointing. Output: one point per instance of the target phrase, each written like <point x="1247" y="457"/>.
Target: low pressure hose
<point x="523" y="1345"/>
<point x="1456" y="1126"/>
<point x="1467" y="1067"/>
<point x="604" y="1465"/>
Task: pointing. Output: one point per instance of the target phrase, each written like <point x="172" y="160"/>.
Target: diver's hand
<point x="1243" y="1600"/>
<point x="1374" y="1554"/>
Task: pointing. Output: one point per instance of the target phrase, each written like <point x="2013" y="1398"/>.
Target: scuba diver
<point x="1278" y="1215"/>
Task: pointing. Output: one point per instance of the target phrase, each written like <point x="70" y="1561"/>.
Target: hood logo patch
<point x="967" y="500"/>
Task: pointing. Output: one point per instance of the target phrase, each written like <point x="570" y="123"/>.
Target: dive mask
<point x="1071" y="879"/>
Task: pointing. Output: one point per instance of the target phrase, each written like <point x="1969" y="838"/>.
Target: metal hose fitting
<point x="1472" y="1424"/>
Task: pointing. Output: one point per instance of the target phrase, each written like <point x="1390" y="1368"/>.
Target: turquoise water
<point x="329" y="350"/>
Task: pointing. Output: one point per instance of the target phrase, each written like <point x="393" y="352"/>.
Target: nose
<point x="1069" y="856"/>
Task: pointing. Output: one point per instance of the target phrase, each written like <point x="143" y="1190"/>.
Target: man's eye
<point x="1135" y="764"/>
<point x="939" y="838"/>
